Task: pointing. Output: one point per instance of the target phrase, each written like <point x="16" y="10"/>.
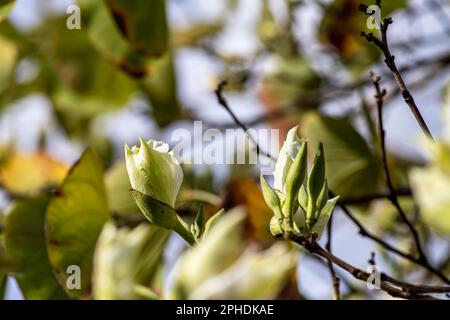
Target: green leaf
<point x="143" y="23"/>
<point x="25" y="243"/>
<point x="75" y="218"/>
<point x="161" y="88"/>
<point x="162" y="215"/>
<point x="108" y="40"/>
<point x="350" y="163"/>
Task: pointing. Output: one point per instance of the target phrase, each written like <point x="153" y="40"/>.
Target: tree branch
<point x="392" y="286"/>
<point x="366" y="233"/>
<point x="379" y="95"/>
<point x="383" y="45"/>
<point x="224" y="103"/>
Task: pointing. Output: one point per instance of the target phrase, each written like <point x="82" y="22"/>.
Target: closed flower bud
<point x="156" y="176"/>
<point x="154" y="171"/>
<point x="302" y="197"/>
<point x="288" y="152"/>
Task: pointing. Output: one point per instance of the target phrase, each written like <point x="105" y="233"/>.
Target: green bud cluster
<point x="303" y="206"/>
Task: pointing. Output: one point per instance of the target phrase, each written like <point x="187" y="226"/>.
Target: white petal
<point x="289" y="150"/>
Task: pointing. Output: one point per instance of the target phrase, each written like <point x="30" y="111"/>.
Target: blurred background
<point x="286" y="62"/>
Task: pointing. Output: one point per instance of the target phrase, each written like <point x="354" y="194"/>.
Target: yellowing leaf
<point x="75" y="218"/>
<point x="29" y="174"/>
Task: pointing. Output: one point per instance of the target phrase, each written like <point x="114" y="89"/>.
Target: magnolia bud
<point x="156" y="176"/>
<point x="154" y="171"/>
<point x="288" y="152"/>
<point x="303" y="198"/>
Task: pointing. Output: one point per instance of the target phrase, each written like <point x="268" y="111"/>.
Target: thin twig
<point x="379" y="96"/>
<point x="363" y="231"/>
<point x="336" y="92"/>
<point x="223" y="102"/>
<point x="366" y="233"/>
<point x="334" y="278"/>
<point x="392" y="286"/>
<point x="383" y="45"/>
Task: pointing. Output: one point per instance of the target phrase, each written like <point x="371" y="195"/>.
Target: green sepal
<point x="295" y="178"/>
<point x="316" y="181"/>
<point x="271" y="198"/>
<point x="162" y="215"/>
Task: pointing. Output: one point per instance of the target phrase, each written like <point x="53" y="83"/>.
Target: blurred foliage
<point x="6" y="7"/>
<point x="126" y="261"/>
<point x="62" y="214"/>
<point x="75" y="217"/>
<point x="214" y="271"/>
